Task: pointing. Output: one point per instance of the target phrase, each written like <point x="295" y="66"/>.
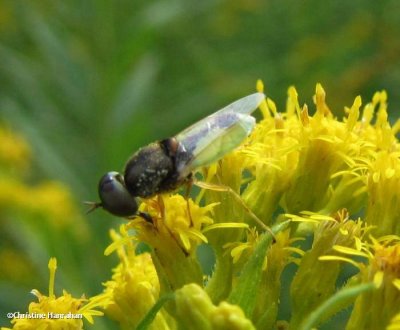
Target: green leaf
<point x="246" y="291"/>
<point x="151" y="314"/>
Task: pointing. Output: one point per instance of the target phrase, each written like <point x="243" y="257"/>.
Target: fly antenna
<point x="92" y="206"/>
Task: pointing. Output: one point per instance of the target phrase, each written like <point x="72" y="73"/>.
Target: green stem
<point x="220" y="284"/>
<point x="339" y="298"/>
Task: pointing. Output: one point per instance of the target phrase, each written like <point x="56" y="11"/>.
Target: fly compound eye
<point x="114" y="196"/>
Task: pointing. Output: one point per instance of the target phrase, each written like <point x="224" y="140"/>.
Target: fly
<point x="166" y="165"/>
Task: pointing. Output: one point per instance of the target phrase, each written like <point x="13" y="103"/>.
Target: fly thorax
<point x="147" y="169"/>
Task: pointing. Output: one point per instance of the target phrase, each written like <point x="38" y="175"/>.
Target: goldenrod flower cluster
<point x="306" y="188"/>
<point x="50" y="312"/>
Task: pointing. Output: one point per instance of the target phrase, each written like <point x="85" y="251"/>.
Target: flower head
<point x="64" y="312"/>
<point x="174" y="232"/>
<point x="339" y="229"/>
<point x="173" y="219"/>
<point x="134" y="287"/>
<point x="382" y="267"/>
<point x="383" y="187"/>
<point x="305" y="163"/>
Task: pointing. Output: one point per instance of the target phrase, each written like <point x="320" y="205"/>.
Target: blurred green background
<point x="89" y="82"/>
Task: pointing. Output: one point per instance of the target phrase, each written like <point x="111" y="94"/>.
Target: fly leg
<point x="189" y="185"/>
<point x="236" y="196"/>
<point x="162" y="212"/>
<point x="145" y="216"/>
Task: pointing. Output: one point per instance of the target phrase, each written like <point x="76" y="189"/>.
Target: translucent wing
<point x="216" y="135"/>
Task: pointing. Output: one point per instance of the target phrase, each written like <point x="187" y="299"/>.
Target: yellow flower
<point x="175" y="219"/>
<point x="339" y="229"/>
<point x="376" y="308"/>
<point x="50" y="312"/>
<point x="134" y="287"/>
<point x="383" y="186"/>
<point x="174" y="233"/>
<point x="271" y="155"/>
<point x="243" y="248"/>
<point x="316" y="163"/>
